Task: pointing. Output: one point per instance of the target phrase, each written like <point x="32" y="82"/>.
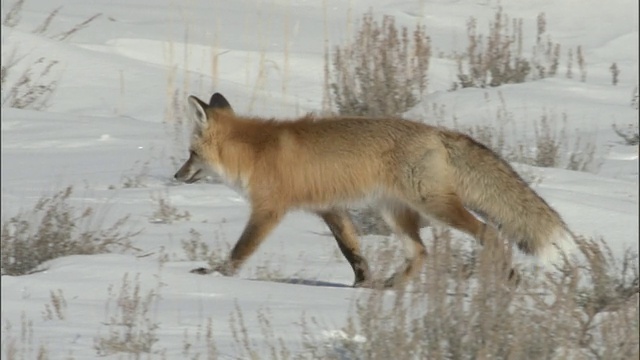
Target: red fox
<point x="407" y="169"/>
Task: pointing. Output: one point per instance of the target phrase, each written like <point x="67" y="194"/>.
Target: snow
<point x="107" y="122"/>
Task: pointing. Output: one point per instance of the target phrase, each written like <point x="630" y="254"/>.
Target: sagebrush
<point x="500" y="56"/>
<point x="382" y="71"/>
<point x="54" y="228"/>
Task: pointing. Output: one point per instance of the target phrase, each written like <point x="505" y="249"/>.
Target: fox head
<point x="203" y="157"/>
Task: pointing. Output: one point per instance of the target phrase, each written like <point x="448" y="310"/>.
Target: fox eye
<point x="193" y="153"/>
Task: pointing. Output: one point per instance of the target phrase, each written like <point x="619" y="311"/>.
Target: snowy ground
<point x="107" y="123"/>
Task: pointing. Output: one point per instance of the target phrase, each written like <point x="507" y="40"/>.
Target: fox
<point x="409" y="170"/>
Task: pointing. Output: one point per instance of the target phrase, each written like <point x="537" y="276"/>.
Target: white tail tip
<point x="562" y="245"/>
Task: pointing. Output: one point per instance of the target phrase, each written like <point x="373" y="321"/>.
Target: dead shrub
<point x="498" y="57"/>
<point x="382" y="71"/>
<point x="462" y="309"/>
<point x="197" y="249"/>
<point x="548" y="147"/>
<point x="629" y="135"/>
<point x="33" y="87"/>
<point x="53" y="229"/>
<point x="166" y="213"/>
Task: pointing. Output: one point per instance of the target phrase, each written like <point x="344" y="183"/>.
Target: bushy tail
<point x="489" y="185"/>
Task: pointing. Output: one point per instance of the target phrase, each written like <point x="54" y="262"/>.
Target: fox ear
<point x="219" y="102"/>
<point x="196" y="111"/>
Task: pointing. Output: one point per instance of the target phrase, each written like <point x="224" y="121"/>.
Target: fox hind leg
<point x="449" y="209"/>
<point x="405" y="223"/>
<point x="345" y="234"/>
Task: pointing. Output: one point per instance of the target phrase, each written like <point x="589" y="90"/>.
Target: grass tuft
<point x="53" y="229"/>
<point x="131" y="328"/>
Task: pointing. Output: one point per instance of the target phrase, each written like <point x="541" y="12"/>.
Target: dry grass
<point x="499" y="57"/>
<point x="628" y="134"/>
<point x="615" y="73"/>
<point x="271" y="346"/>
<point x="495" y="60"/>
<point x="548" y="147"/>
<point x="54" y="228"/>
<point x="203" y="334"/>
<point x="12" y="17"/>
<point x="166" y="213"/>
<point x="32" y="87"/>
<point x="461" y="309"/>
<point x="382" y="71"/>
<point x="197" y="249"/>
<point x="57" y="306"/>
<point x="137" y="176"/>
<point x="130" y="326"/>
<point x="18" y="343"/>
<point x="175" y="120"/>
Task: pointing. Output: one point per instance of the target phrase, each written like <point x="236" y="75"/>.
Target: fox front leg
<point x="260" y="224"/>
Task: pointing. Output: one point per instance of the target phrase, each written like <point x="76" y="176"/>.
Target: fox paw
<point x="201" y="271"/>
<point x="223" y="269"/>
<point x="367" y="284"/>
<point x="377" y="284"/>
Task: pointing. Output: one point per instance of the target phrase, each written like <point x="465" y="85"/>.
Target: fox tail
<point x="489" y="185"/>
